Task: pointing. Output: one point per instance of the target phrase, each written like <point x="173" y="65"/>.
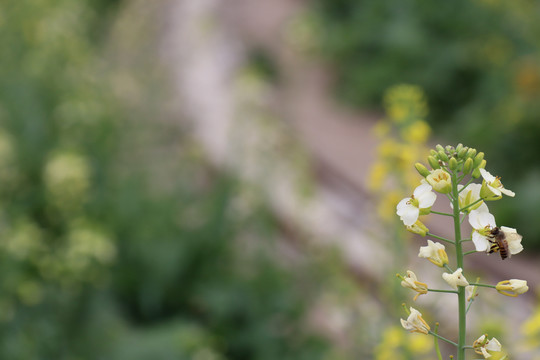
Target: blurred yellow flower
<point x="377" y="176"/>
<point x="418" y="132"/>
<point x="405" y="102"/>
<point x="381" y="129"/>
<point x="395" y="344"/>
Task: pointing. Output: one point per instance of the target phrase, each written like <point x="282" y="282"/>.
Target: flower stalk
<point x="462" y="310"/>
<point x="451" y="166"/>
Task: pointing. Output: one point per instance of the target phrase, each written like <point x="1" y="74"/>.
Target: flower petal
<point x="426" y="200"/>
<point x="400" y="208"/>
<point x="487" y="176"/>
<point x="481" y="243"/>
<point x="421" y="189"/>
<point x="507" y="192"/>
<point x="409" y="215"/>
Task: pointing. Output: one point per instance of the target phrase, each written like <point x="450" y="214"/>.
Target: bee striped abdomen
<point x="499" y="243"/>
<point x="503" y="248"/>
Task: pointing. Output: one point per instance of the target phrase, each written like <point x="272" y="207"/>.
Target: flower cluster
<point x="450" y="166"/>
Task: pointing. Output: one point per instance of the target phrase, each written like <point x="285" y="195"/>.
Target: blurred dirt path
<point x="338" y="138"/>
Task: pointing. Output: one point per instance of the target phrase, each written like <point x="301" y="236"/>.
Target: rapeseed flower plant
<point x="451" y="166"/>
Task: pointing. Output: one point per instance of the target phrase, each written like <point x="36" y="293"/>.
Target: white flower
<point x="470" y="195"/>
<point x="422" y="199"/>
<point x="513" y="239"/>
<point x="456" y="279"/>
<point x="512" y="287"/>
<point x="415" y="323"/>
<point x="492" y="188"/>
<point x="482" y="222"/>
<point x="435" y="253"/>
<point x="488" y="348"/>
<point x="411" y="281"/>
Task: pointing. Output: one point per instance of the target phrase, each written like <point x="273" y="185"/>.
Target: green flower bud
<point x="459" y="147"/>
<point x="418" y="228"/>
<point x="467" y="167"/>
<point x="471" y="153"/>
<point x="439" y="148"/>
<point x="476" y="172"/>
<point x="443" y="156"/>
<point x="463" y="152"/>
<point x="453" y="164"/>
<point x="433" y="162"/>
<point x="478" y="159"/>
<point x="422" y="170"/>
<point x="433" y="153"/>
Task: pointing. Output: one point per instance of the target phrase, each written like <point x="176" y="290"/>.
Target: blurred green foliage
<point x="106" y="252"/>
<point x="478" y="61"/>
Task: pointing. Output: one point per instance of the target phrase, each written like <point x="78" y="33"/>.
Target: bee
<point x="498" y="241"/>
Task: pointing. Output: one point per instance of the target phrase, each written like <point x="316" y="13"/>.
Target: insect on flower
<point x="500" y="239"/>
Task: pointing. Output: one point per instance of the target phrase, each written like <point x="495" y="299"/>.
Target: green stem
<point x="439" y="238"/>
<point x="462" y="316"/>
<point x="437" y="350"/>
<point x="440" y="213"/>
<point x="469" y="306"/>
<point x="448" y="268"/>
<point x="483" y="285"/>
<point x="470" y="252"/>
<point x="442" y="338"/>
<point x="443" y="291"/>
